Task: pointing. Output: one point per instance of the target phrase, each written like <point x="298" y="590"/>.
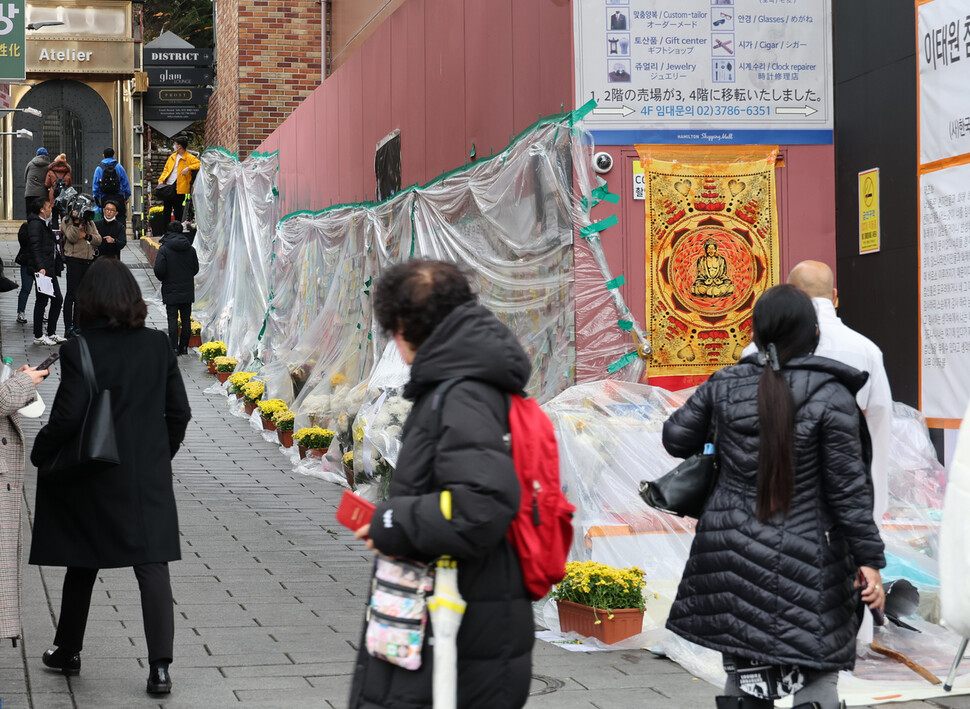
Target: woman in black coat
<point x="445" y="334"/>
<point x="772" y="577"/>
<point x="124" y="515"/>
<point x="112" y="230"/>
<point x="175" y="266"/>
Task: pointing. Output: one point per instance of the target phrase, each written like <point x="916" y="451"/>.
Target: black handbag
<point x="164" y="192"/>
<point x="685" y="489"/>
<point x="94" y="447"/>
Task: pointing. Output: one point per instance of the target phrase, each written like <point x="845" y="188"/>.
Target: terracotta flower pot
<point x="239" y="395"/>
<point x="286" y="437"/>
<point x="317" y="453"/>
<point x="268" y="424"/>
<point x="223" y="376"/>
<point x="211" y="364"/>
<point x="195" y="340"/>
<point x="249" y="408"/>
<point x="302" y="451"/>
<point x="626" y="622"/>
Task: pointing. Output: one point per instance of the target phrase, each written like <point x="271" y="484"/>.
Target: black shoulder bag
<point x="94" y="447"/>
<point x="685" y="489"/>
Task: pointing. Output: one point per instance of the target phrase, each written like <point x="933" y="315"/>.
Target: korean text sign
<point x="943" y="34"/>
<point x="13" y="57"/>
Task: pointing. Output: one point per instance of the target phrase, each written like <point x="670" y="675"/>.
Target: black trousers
<point x="76" y="268"/>
<point x="175" y="206"/>
<point x="157" y="609"/>
<point x="176" y="311"/>
<point x="40" y="303"/>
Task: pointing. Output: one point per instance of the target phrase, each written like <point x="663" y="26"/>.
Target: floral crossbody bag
<point x="398" y="611"/>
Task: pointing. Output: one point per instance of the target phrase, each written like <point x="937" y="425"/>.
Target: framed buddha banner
<point x="712" y="249"/>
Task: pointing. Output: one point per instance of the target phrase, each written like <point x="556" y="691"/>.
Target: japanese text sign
<point x="706" y="71"/>
<point x="943" y="33"/>
<point x="13" y="57"/>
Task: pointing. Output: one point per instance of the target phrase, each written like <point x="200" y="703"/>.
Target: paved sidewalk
<point x="270" y="590"/>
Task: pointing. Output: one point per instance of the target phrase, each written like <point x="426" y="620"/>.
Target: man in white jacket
<point x="839" y="342"/>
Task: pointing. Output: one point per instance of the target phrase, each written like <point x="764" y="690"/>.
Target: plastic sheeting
<point x="292" y="299"/>
<point x="234" y="243"/>
<point x="609" y="437"/>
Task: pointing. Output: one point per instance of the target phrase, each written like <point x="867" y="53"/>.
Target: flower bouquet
<point x="209" y="351"/>
<point x="252" y="392"/>
<point x="195" y="338"/>
<point x="348" y="462"/>
<point x="224" y="367"/>
<point x="237" y="380"/>
<point x="268" y="407"/>
<point x="313" y="441"/>
<point x="600" y="601"/>
<point x="284" y="427"/>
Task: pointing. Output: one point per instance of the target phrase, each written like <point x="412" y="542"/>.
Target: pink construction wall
<point x="448" y="74"/>
<point x="453" y="73"/>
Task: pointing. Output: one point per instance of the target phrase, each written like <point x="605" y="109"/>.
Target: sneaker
<point x="21" y="318"/>
<point x="44" y="340"/>
<point x="56" y="339"/>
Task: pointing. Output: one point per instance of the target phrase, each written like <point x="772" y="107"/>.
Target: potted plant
<point x="284" y="427"/>
<point x="314" y="441"/>
<point x="348" y="462"/>
<point x="237" y="380"/>
<point x="208" y="352"/>
<point x="600" y="601"/>
<point x="156" y="221"/>
<point x="268" y="407"/>
<point x="224" y="367"/>
<point x="195" y="338"/>
<point x="252" y="392"/>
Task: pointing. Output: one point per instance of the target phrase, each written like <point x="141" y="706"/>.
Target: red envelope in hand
<point x="354" y="511"/>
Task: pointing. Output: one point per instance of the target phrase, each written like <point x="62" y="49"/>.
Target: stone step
<point x="9" y="229"/>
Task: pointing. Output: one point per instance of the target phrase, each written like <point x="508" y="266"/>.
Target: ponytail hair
<point x="785" y="326"/>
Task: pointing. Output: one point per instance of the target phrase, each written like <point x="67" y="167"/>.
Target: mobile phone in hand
<point x="46" y="364"/>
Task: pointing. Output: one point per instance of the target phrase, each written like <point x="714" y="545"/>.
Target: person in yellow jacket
<point x="178" y="171"/>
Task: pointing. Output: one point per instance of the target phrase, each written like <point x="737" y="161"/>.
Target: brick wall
<point x="267" y="62"/>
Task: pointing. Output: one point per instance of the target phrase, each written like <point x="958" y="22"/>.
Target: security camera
<point x="602" y="162"/>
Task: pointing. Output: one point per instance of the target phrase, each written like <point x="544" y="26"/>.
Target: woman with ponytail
<point x="773" y="577"/>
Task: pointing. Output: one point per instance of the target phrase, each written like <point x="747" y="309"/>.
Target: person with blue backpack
<point x="111" y="182"/>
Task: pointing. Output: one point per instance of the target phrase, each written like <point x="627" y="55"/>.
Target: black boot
<point x="68" y="663"/>
<point x="159" y="680"/>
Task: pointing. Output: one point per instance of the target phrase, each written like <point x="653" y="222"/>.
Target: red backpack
<point x="542" y="531"/>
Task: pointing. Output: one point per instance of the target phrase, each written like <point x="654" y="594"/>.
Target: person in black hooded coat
<point x="175" y="266"/>
<point x="445" y="334"/>
<point x="772" y="574"/>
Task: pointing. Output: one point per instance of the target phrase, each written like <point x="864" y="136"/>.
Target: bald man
<point x="839" y="342"/>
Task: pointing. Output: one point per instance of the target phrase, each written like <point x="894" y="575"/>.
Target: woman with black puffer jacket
<point x="454" y="491"/>
<point x="787" y="537"/>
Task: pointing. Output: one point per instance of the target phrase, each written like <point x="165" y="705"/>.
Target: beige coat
<point x="75" y="244"/>
<point x="15" y="393"/>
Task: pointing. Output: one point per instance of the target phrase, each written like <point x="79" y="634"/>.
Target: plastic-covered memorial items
<point x="609" y="440"/>
<point x="234" y="243"/>
<point x="377" y="429"/>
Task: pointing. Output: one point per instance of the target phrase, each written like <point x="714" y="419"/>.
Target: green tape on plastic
<point x="625" y="324"/>
<point x="584" y="203"/>
<point x="584" y="110"/>
<point x="604" y="194"/>
<point x="622" y="362"/>
<point x="598" y="226"/>
<point x="615" y="283"/>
